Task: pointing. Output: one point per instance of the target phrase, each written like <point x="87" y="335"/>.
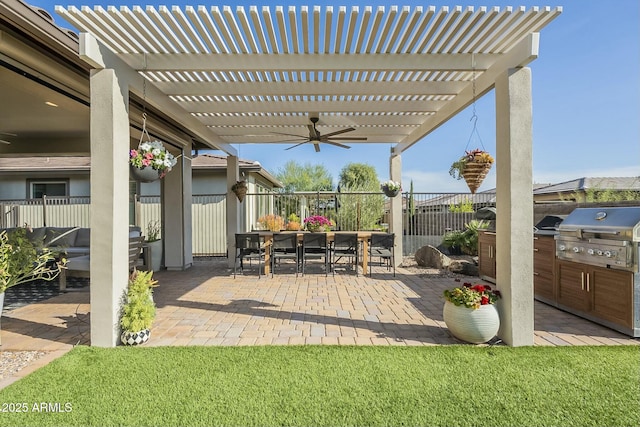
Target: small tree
<point x="22" y="262"/>
<point x="359" y="211"/>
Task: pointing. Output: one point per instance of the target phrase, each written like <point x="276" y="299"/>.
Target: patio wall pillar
<point x="395" y="220"/>
<point x="109" y="204"/>
<point x="514" y="203"/>
<point x="233" y="208"/>
<point x="176" y="205"/>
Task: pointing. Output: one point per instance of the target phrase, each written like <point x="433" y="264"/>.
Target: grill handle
<point x="579" y="231"/>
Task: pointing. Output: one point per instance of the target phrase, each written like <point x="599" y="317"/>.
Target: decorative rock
<point x="429" y="256"/>
<point x="462" y="266"/>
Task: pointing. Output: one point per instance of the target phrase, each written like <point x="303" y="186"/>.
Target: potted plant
<point x="317" y="223"/>
<point x="153" y="240"/>
<point x="473" y="167"/>
<point x="240" y="189"/>
<point x="390" y="188"/>
<point x="138" y="309"/>
<point x="21" y="261"/>
<point x="470" y="314"/>
<point x="294" y="222"/>
<point x="150" y="161"/>
<point x="271" y="222"/>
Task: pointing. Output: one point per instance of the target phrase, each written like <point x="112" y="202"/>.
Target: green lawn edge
<point x="331" y="386"/>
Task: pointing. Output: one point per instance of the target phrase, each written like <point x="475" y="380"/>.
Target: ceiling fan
<point x="315" y="137"/>
<point x="7" y="134"/>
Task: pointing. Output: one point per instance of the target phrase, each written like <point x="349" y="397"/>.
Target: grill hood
<point x="619" y="223"/>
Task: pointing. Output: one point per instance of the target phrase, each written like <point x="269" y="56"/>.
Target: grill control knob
<point x="607" y="254"/>
<point x="600" y="252"/>
<point x="562" y="248"/>
<point x="591" y="252"/>
<point x="576" y="249"/>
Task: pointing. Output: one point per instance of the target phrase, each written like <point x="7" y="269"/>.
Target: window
<point x="49" y="188"/>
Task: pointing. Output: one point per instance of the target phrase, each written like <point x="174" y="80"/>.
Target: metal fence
<point x="427" y="217"/>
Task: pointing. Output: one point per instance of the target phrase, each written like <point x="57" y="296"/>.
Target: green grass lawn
<point x="333" y="386"/>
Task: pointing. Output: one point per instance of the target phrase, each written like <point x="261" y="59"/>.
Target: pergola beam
<point x="99" y="57"/>
<point x="521" y="55"/>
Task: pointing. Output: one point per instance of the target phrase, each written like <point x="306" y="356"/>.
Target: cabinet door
<point x="612" y="295"/>
<point x="544" y="253"/>
<point x="487" y="254"/>
<point x="572" y="289"/>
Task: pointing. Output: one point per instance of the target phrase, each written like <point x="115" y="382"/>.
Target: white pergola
<point x="249" y="76"/>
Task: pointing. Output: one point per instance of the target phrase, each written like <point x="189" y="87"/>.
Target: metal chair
<point x="345" y="245"/>
<point x="381" y="245"/>
<point x="314" y="246"/>
<point x="284" y="246"/>
<point x="248" y="247"/>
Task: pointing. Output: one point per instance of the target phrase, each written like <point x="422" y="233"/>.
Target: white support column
<point x="514" y="191"/>
<point x="233" y="208"/>
<point x="395" y="220"/>
<point x="176" y="207"/>
<point x="109" y="199"/>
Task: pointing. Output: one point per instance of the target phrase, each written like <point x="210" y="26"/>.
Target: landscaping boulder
<point x="462" y="266"/>
<point x="429" y="256"/>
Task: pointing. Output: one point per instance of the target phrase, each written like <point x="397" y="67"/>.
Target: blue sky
<point x="586" y="102"/>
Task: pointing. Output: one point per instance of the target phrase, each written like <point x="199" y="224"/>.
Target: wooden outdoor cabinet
<point x="544" y="268"/>
<point x="487" y="255"/>
<point x="597" y="293"/>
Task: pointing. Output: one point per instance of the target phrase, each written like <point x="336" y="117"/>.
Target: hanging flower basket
<point x="390" y="188"/>
<point x="150" y="161"/>
<point x="240" y="189"/>
<point x="473" y="167"/>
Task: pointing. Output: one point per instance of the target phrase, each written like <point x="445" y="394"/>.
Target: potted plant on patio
<point x="473" y="167"/>
<point x="21" y="261"/>
<point x="150" y="161"/>
<point x="317" y="223"/>
<point x="294" y="222"/>
<point x="154" y="241"/>
<point x="470" y="314"/>
<point x="138" y="309"/>
<point x="271" y="222"/>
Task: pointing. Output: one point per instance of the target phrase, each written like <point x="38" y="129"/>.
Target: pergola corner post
<point x="514" y="201"/>
<point x="233" y="208"/>
<point x="395" y="219"/>
<point x="109" y="222"/>
<point x="176" y="205"/>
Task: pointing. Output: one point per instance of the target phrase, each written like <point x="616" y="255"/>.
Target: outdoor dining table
<point x="363" y="236"/>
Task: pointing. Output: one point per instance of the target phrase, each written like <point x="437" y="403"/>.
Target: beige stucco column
<point x="395" y="220"/>
<point x="233" y="208"/>
<point x="514" y="204"/>
<point x="109" y="202"/>
<point x="176" y="207"/>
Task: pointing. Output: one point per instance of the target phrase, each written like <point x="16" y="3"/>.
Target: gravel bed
<point x="13" y="361"/>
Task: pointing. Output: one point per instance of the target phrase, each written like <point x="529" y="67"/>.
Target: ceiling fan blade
<point x="347" y="138"/>
<point x="290" y="134"/>
<point x="313" y="132"/>
<point x="5" y="142"/>
<point x="8" y="134"/>
<point x="297" y="145"/>
<point x="338" y="132"/>
<point x="316" y="146"/>
<point x="337" y="144"/>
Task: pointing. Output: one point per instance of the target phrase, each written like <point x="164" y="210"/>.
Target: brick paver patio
<point x="205" y="305"/>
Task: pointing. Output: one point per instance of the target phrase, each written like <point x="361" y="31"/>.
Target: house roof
<point x="12" y="165"/>
<point x="257" y="75"/>
<point x="597" y="183"/>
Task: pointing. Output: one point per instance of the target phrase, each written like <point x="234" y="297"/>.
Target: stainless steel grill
<point x="606" y="237"/>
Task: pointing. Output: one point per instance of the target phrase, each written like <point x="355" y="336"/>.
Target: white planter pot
<point x="471" y="325"/>
<point x="156" y="254"/>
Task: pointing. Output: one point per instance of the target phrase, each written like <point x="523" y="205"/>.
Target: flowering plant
<point x="152" y="154"/>
<point x="390" y="186"/>
<point x="472" y="296"/>
<point x="317" y="222"/>
<point x="271" y="222"/>
<point x="476" y="156"/>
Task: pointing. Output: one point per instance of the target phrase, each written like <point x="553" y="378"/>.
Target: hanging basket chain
<point x="474" y="116"/>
